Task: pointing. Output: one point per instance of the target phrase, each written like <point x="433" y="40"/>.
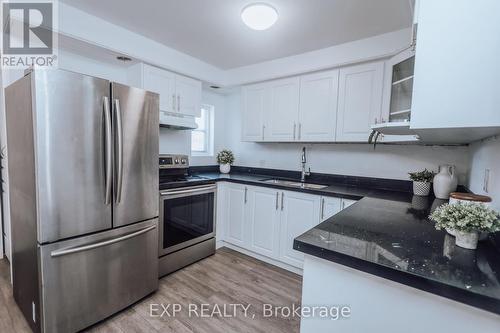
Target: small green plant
<point x="466" y="217"/>
<point x="225" y="157"/>
<point x="422" y="176"/>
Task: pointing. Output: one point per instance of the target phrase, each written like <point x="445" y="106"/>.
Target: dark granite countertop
<point x="387" y="234"/>
<point x="395" y="240"/>
<point x="353" y="188"/>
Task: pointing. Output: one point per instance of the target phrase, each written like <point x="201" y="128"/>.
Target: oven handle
<point x="189" y="190"/>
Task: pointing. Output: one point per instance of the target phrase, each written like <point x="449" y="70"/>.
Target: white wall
<point x="387" y="161"/>
<point x="486" y="155"/>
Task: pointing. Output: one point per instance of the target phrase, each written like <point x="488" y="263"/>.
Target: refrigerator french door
<point x="83" y="167"/>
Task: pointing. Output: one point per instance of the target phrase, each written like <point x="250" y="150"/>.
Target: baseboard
<point x="260" y="257"/>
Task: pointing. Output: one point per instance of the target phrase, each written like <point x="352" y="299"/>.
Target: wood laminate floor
<point x="226" y="278"/>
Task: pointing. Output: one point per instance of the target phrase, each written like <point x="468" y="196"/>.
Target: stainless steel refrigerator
<point x="83" y="172"/>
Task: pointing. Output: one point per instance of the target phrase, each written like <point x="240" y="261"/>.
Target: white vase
<point x="225" y="168"/>
<point x="421" y="188"/>
<point x="445" y="181"/>
<point x="467" y="240"/>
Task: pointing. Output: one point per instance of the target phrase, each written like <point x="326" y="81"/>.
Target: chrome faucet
<point x="304" y="173"/>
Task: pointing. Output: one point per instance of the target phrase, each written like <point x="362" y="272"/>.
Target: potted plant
<point x="467" y="220"/>
<point x="225" y="158"/>
<point x="422" y="182"/>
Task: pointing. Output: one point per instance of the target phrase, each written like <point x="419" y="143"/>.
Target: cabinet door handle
<point x="294" y="128"/>
<point x="300" y="130"/>
<point x="173" y="102"/>
<point x="277" y="205"/>
<point x="322" y="208"/>
<point x="282" y="200"/>
<point x="179" y="103"/>
<point x="263" y="129"/>
<point x="246" y="192"/>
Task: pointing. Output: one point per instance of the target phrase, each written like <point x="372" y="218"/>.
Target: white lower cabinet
<point x="329" y="207"/>
<point x="266" y="221"/>
<point x="263" y="220"/>
<point x="299" y="213"/>
<point x="236" y="197"/>
<point x="347" y="202"/>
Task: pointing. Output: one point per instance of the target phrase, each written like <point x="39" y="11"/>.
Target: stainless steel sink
<point x="294" y="184"/>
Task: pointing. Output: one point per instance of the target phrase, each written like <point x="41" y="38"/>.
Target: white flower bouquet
<point x="466" y="220"/>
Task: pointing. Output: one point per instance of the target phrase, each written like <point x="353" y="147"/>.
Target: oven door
<point x="187" y="217"/>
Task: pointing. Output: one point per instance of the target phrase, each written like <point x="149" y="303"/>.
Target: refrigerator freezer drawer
<point x="87" y="279"/>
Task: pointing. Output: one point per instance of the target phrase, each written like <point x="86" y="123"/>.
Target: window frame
<point x="209" y="129"/>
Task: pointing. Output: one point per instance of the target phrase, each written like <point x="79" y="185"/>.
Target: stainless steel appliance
<point x="83" y="156"/>
<point x="187" y="215"/>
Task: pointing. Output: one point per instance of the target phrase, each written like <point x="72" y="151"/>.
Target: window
<point x="202" y="141"/>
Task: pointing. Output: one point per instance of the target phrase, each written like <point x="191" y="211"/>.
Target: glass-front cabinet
<point x="398" y="87"/>
<point x="401" y="89"/>
<point x="394" y="125"/>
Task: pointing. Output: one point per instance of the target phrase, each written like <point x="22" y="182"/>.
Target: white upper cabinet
<point x="188" y="96"/>
<point x="163" y="83"/>
<point x="328" y="106"/>
<point x="360" y="101"/>
<point x="280" y="122"/>
<point x="254" y="103"/>
<point x="457" y="70"/>
<point x="178" y="94"/>
<point x="318" y="106"/>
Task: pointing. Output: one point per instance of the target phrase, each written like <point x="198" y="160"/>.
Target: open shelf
<point x="400" y="112"/>
<point x="402" y="80"/>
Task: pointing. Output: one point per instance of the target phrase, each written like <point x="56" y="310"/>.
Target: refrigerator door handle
<point x="101" y="244"/>
<point x="119" y="151"/>
<point x="109" y="150"/>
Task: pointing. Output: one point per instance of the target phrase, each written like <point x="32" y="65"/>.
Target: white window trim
<point x="209" y="132"/>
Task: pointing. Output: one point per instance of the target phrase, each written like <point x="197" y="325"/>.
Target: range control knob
<point x="183" y="161"/>
<point x="176" y="161"/>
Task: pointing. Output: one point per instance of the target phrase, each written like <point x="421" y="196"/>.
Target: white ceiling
<point x="212" y="31"/>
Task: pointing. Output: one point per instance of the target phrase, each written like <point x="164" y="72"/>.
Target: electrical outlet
<point x="486" y="181"/>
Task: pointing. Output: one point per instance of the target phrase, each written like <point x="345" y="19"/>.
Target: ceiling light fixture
<point x="259" y="16"/>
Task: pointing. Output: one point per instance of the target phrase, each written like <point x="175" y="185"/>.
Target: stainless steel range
<point x="187" y="215"/>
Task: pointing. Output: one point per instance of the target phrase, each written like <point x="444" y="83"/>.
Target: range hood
<point x="176" y="121"/>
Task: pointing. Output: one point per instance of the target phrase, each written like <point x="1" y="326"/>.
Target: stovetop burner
<point x="179" y="178"/>
<point x="174" y="169"/>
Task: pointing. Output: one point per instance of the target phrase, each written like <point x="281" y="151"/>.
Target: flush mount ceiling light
<point x="259" y="16"/>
